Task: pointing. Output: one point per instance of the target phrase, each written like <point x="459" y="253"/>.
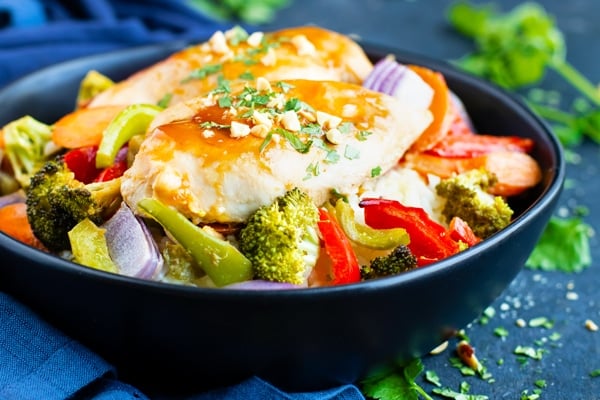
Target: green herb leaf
<point x="564" y="246"/>
<point x="395" y="382"/>
<point x="203" y="72"/>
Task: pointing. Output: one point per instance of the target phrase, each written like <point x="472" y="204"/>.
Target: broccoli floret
<point x="28" y="144"/>
<point x="399" y="260"/>
<point x="281" y="239"/>
<point x="467" y="198"/>
<point x="56" y="202"/>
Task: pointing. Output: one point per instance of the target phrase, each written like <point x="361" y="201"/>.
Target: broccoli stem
<point x="131" y="121"/>
<point x="221" y="261"/>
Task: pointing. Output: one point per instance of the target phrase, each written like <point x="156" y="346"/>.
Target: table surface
<point x="567" y="299"/>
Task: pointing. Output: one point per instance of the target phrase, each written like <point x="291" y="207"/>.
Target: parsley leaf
<point x="395" y="382"/>
<point x="564" y="246"/>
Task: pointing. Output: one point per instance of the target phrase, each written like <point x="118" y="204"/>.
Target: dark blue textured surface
<point x="419" y="26"/>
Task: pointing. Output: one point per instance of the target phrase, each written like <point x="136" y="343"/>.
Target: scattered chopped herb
<point x="225" y="102"/>
<point x="237" y="35"/>
<point x="345" y="127"/>
<point x="541" y="322"/>
<point x="487" y="314"/>
<point x="211" y="124"/>
<point x="395" y="381"/>
<point x="312" y="129"/>
<point x="464" y="370"/>
<point x="375" y="171"/>
<point x="500" y="361"/>
<point x="284" y="86"/>
<point x="266" y="142"/>
<point x="247" y="76"/>
<point x="294" y="141"/>
<point x="555" y="336"/>
<point x="501" y="332"/>
<point x="530" y="352"/>
<point x="595" y="373"/>
<point x="541" y="383"/>
<point x="165" y="100"/>
<point x="363" y="135"/>
<point x="351" y="153"/>
<point x="203" y="72"/>
<point x="433" y="378"/>
<point x="564" y="246"/>
<point x="293" y="104"/>
<point x="462" y="395"/>
<point x="312" y="170"/>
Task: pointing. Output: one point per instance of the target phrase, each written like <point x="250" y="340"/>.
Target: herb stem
<point x="551" y="113"/>
<point x="576" y="79"/>
<point x="422" y="392"/>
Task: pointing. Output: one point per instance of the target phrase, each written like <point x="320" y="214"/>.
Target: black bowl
<point x="301" y="339"/>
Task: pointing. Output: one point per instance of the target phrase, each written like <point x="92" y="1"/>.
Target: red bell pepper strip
<point x="117" y="169"/>
<point x="82" y="162"/>
<point x="461" y="231"/>
<point x="469" y="145"/>
<point x="429" y="241"/>
<point x="345" y="266"/>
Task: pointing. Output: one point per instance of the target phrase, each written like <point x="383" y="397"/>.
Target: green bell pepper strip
<point x="379" y="239"/>
<point x="131" y="121"/>
<point x="221" y="261"/>
<point x="89" y="247"/>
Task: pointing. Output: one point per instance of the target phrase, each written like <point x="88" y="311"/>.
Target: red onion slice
<point x="397" y="80"/>
<point x="131" y="246"/>
<point x="14" y="197"/>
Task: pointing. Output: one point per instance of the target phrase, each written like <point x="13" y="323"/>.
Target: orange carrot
<point x="441" y="108"/>
<point x="84" y="126"/>
<point x="13" y="222"/>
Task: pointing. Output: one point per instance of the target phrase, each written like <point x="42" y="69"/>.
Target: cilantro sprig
<point x="395" y="381"/>
<point x="514" y="50"/>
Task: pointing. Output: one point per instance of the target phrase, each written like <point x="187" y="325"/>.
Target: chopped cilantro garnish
<point x="211" y="124"/>
<point x="203" y="72"/>
<point x="225" y="102"/>
<point x="294" y="141"/>
<point x="266" y="142"/>
<point x="247" y="76"/>
<point x="312" y="129"/>
<point x="312" y="170"/>
<point x="363" y="135"/>
<point x="165" y="100"/>
<point x="530" y="352"/>
<point x="237" y="35"/>
<point x="375" y="172"/>
<point x="284" y="86"/>
<point x="501" y="332"/>
<point x="337" y="195"/>
<point x="433" y="378"/>
<point x="293" y="104"/>
<point x="540" y="322"/>
<point x="351" y="153"/>
<point x="346" y="127"/>
<point x="595" y="373"/>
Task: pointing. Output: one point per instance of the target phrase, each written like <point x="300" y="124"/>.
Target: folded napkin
<point x="37" y="361"/>
<point x="34" y="34"/>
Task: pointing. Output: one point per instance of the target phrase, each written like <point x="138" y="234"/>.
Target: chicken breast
<point x="219" y="158"/>
<point x="302" y="52"/>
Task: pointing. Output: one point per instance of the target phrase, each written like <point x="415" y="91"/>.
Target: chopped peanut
<point x="239" y="130"/>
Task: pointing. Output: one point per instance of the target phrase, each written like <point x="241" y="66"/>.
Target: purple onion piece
<point x="262" y="285"/>
<point x="132" y="247"/>
<point x="12" y="198"/>
<point x="380" y="72"/>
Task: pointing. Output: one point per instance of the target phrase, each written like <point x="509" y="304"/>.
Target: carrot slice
<point x="441" y="108"/>
<point x="83" y="127"/>
<point x="516" y="171"/>
<point x="13" y="222"/>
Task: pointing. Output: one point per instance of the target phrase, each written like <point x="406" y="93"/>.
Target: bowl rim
<point x="549" y="193"/>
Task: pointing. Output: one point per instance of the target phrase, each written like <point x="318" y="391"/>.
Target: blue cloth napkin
<point x="37" y="361"/>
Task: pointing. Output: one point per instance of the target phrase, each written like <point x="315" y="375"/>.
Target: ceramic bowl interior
<point x="187" y="337"/>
